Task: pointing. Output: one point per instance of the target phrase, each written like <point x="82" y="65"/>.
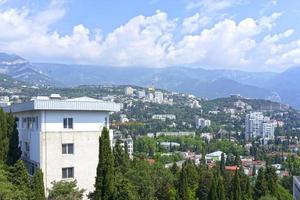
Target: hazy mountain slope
<point x="287" y="84"/>
<point x="21" y="69"/>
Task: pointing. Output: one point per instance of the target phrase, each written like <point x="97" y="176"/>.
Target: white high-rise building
<point x="158" y="97"/>
<point x="258" y="126"/>
<point x="62" y="137"/>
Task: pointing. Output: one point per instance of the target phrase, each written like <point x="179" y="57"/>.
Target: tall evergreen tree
<point x="14" y="151"/>
<point x="187" y="181"/>
<point x="261" y="187"/>
<point x="38" y="185"/>
<point x="204" y="185"/>
<point x="237" y="194"/>
<point x="271" y="179"/>
<point x="20" y="178"/>
<point x="104" y="185"/>
<point x="253" y="170"/>
<point x="222" y="164"/>
<point x="213" y="195"/>
<point x="221" y="189"/>
<point x="4" y="140"/>
<point x="237" y="160"/>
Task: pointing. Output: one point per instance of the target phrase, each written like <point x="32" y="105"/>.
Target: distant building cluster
<point x="258" y="125"/>
<point x="150" y="96"/>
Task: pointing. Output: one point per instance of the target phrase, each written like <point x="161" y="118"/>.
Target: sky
<point x="248" y="35"/>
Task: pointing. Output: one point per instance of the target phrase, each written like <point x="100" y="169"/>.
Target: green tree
<point x="221" y="189"/>
<point x="222" y="164"/>
<point x="187" y="181"/>
<point x="14" y="151"/>
<point x="213" y="195"/>
<point x="206" y="178"/>
<point x="121" y="158"/>
<point x="38" y="185"/>
<point x="124" y="189"/>
<point x="271" y="178"/>
<point x="4" y="140"/>
<point x="261" y="187"/>
<point x="237" y="194"/>
<point x="7" y="189"/>
<point x="104" y="185"/>
<point x="65" y="190"/>
<point x="20" y="178"/>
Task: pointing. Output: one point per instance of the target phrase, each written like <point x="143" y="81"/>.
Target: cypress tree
<point x="20" y="178"/>
<point x="38" y="185"/>
<point x="14" y="151"/>
<point x="261" y="187"/>
<point x="221" y="189"/>
<point x="271" y="179"/>
<point x="187" y="181"/>
<point x="237" y="160"/>
<point x="237" y="194"/>
<point x="4" y="140"/>
<point x="104" y="184"/>
<point x="213" y="195"/>
<point x="206" y="179"/>
<point x="222" y="164"/>
<point x="253" y="170"/>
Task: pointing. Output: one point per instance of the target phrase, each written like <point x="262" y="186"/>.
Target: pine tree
<point x="4" y="140"/>
<point x="104" y="185"/>
<point x="237" y="160"/>
<point x="261" y="187"/>
<point x="38" y="185"/>
<point x="14" y="152"/>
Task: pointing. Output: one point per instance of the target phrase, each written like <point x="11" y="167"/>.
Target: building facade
<point x="257" y="125"/>
<point x="201" y="122"/>
<point x="62" y="137"/>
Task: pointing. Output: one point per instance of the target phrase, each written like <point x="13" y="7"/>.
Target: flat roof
<point x="80" y="104"/>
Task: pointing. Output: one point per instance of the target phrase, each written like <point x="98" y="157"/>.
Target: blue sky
<point x="251" y="35"/>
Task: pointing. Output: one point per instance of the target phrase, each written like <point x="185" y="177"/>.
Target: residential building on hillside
<point x="129" y="91"/>
<point x="201" y="122"/>
<point x="62" y="137"/>
<point x="175" y="134"/>
<point x="257" y="125"/>
<point x="164" y="117"/>
<point x="141" y="94"/>
<point x="158" y="97"/>
<point x="214" y="156"/>
<point x="124" y="140"/>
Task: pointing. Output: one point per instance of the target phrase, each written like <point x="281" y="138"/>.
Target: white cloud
<point x="3" y="1"/>
<point x="194" y="23"/>
<point x="151" y="41"/>
<point x="210" y="6"/>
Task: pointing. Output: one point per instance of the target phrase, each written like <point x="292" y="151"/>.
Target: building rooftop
<point x="81" y="103"/>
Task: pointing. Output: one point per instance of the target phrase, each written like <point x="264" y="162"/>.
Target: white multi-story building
<point x="158" y="97"/>
<point x="141" y="94"/>
<point x="129" y="91"/>
<point x="164" y="117"/>
<point x="201" y="122"/>
<point x="62" y="137"/>
<point x="258" y="126"/>
<point x="129" y="142"/>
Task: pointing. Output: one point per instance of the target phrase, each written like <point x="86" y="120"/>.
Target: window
<point x="68" y="172"/>
<point x="68" y="148"/>
<point x="68" y="123"/>
<point x="27" y="148"/>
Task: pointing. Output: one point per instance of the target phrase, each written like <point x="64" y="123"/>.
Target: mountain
<point x="287" y="84"/>
<point x="8" y="82"/>
<point x="22" y="70"/>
